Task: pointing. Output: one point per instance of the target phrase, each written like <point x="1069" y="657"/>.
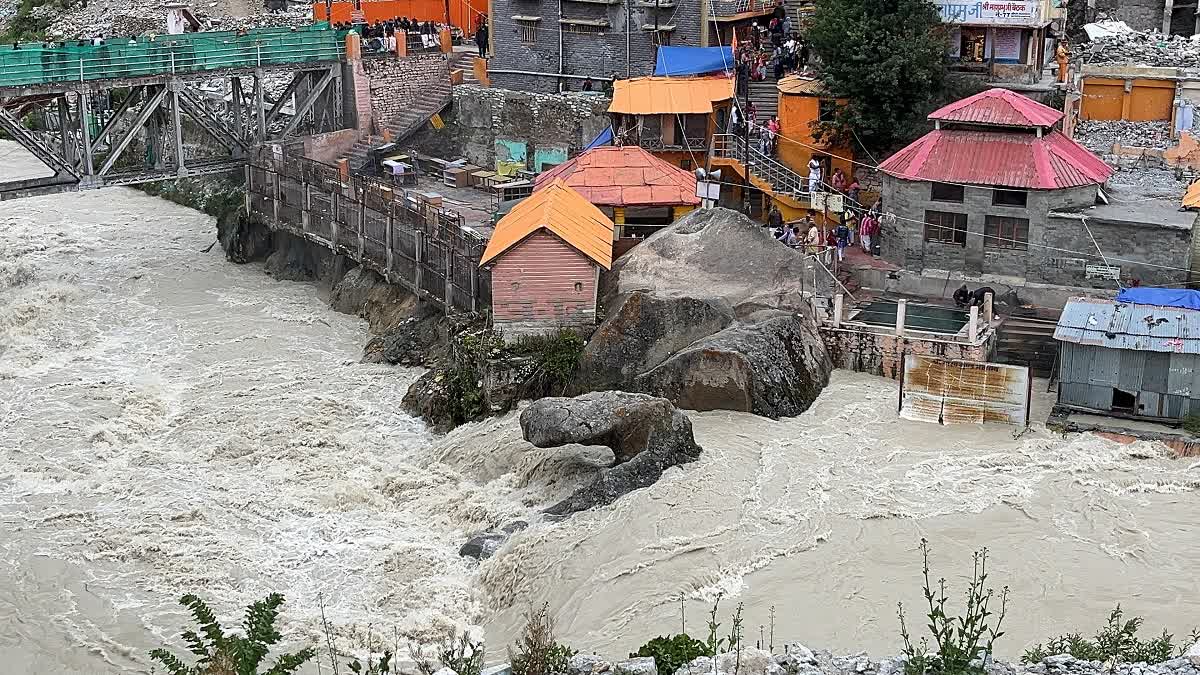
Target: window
<point x="685" y="164"/>
<point x="827" y="110"/>
<point x="1009" y="197"/>
<point x="945" y="192"/>
<point x="662" y="38"/>
<point x="527" y="32"/>
<point x="1005" y="232"/>
<point x="946" y="228"/>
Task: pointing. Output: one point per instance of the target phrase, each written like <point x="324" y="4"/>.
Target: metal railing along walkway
<point x="33" y="64"/>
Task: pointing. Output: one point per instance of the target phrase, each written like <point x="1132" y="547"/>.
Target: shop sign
<point x="999" y="12"/>
<point x="1102" y="272"/>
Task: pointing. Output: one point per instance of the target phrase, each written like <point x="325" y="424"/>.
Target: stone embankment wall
<point x="397" y="84"/>
<point x="882" y="354"/>
<point x="546" y="124"/>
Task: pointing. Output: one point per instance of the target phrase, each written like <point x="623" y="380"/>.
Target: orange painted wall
<point x="1106" y="99"/>
<point x="796" y="115"/>
<point x="463" y="13"/>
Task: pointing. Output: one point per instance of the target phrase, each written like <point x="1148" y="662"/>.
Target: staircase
<point x="1027" y="339"/>
<point x="465" y="61"/>
<point x="765" y="97"/>
<point x="766" y="173"/>
<point x="405" y="124"/>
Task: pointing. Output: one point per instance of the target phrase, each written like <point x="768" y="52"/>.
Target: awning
<point x="669" y="95"/>
<point x="1161" y="297"/>
<point x="674" y="61"/>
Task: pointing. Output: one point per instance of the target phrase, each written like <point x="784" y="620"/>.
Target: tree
<point x="886" y="57"/>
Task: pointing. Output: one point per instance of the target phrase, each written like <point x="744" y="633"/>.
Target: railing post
<point x="901" y="309"/>
<point x="362" y="225"/>
<point x="973" y="329"/>
<point x="249" y="187"/>
<point x="449" y="278"/>
<point x="305" y="207"/>
<point x="419" y="255"/>
<point x="389" y="241"/>
<point x="277" y="193"/>
<point x="474" y="272"/>
<point x="334" y="230"/>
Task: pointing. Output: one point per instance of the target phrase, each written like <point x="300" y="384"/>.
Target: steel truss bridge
<point x="144" y="110"/>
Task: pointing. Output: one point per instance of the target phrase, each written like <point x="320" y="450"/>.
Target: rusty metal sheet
<point x="963" y="392"/>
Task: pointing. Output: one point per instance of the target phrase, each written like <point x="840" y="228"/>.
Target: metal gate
<point x="963" y="392"/>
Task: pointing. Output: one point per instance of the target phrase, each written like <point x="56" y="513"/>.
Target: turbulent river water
<point x="172" y="423"/>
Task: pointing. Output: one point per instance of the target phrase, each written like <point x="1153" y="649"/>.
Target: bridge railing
<point x="35" y="63"/>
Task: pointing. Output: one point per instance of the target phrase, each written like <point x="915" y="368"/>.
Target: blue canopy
<point x="604" y="138"/>
<point x="693" y="60"/>
<point x="1163" y="297"/>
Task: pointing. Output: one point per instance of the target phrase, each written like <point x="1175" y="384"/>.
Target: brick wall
<point x="904" y="242"/>
<point x="883" y="354"/>
<point x="543" y="279"/>
<point x="399" y="83"/>
<point x="595" y="54"/>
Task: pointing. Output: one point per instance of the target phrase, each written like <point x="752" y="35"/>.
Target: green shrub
<point x="959" y="639"/>
<point x="538" y="652"/>
<point x="672" y="653"/>
<point x="460" y="654"/>
<point x="1117" y="641"/>
<point x="221" y="653"/>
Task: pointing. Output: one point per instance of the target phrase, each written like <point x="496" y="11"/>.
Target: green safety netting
<point x="34" y="63"/>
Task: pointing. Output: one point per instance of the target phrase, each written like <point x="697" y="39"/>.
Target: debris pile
<point x="140" y="17"/>
<point x="1145" y="49"/>
<point x="1148" y="183"/>
<point x="1101" y="135"/>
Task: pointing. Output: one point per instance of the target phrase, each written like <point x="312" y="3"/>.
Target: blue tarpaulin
<point x="604" y="138"/>
<point x="693" y="60"/>
<point x="1163" y="297"/>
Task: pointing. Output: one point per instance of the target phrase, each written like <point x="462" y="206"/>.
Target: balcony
<point x="736" y="9"/>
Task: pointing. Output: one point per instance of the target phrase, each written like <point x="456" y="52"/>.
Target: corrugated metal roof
<point x="560" y="210"/>
<point x="806" y="86"/>
<point x="999" y="107"/>
<point x="1120" y="325"/>
<point x="624" y="176"/>
<point x="1017" y="159"/>
<point x="669" y="95"/>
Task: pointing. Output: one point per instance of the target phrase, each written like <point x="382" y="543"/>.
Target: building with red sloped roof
<point x="640" y="192"/>
<point x="997" y="193"/>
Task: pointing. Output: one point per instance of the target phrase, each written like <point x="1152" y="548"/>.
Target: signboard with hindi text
<point x="991" y="13"/>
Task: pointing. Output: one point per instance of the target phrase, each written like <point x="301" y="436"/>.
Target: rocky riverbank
<point x="797" y="659"/>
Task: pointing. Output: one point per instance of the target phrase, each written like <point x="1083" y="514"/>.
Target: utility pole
<point x="748" y="163"/>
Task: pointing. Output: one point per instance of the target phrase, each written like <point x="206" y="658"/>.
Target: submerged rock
<point x="482" y="546"/>
<point x="646" y="434"/>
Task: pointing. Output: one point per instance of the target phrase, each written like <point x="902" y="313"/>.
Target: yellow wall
<point x="797" y="112"/>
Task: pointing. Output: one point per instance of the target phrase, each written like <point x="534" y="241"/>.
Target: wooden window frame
<point x="937" y="232"/>
<point x="1005" y="232"/>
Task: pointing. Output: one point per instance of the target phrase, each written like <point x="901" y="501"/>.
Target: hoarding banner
<point x="996" y="13"/>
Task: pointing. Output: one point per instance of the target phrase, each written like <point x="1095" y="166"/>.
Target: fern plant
<point x="221" y="653"/>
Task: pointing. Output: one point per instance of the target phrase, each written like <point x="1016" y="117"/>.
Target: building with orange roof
<point x="639" y="191"/>
<point x="673" y="117"/>
<point x="545" y="257"/>
<point x="804" y="105"/>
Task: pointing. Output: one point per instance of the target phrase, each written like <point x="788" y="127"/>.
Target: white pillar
<point x="973" y="331"/>
<point x="901" y="309"/>
<point x="838" y="300"/>
<point x="988" y="310"/>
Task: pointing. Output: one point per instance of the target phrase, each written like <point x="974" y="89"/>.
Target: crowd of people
<point x="380" y="36"/>
<point x="858" y="226"/>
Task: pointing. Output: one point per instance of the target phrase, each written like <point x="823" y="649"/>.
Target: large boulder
<point x="774" y="366"/>
<point x="642" y="332"/>
<point x="646" y="434"/>
<point x="711" y="313"/>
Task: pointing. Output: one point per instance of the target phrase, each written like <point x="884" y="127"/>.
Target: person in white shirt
<point x="814" y="175"/>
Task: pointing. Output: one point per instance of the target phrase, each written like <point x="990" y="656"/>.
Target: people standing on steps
<point x="814" y="175"/>
<point x="481" y="37"/>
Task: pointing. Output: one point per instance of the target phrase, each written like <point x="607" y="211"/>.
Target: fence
<point x="35" y="63"/>
<point x="398" y="233"/>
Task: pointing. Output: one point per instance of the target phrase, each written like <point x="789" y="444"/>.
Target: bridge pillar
<point x="81" y="105"/>
<point x="64" y="126"/>
<point x="260" y="107"/>
<point x="236" y="100"/>
<point x="177" y="125"/>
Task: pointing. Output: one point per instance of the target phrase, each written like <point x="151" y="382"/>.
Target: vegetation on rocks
<point x="959" y="639"/>
<point x="221" y="653"/>
<point x="1116" y="642"/>
<point x="537" y="651"/>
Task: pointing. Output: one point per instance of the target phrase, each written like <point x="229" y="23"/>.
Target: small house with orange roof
<point x="639" y="191"/>
<point x="673" y="117"/>
<point x="545" y="257"/>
